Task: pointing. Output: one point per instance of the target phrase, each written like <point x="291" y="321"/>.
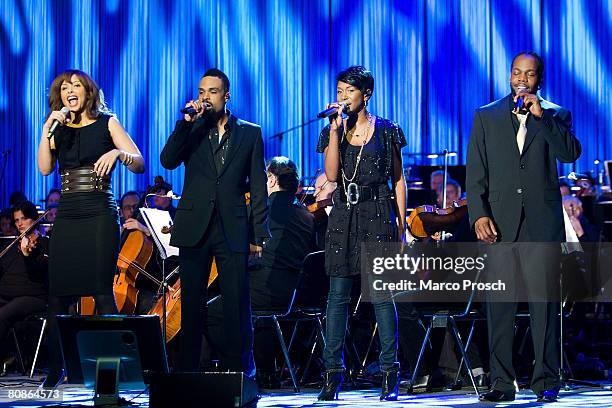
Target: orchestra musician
<point x="23" y="271"/>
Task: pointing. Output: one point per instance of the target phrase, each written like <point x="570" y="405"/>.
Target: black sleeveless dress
<point x="85" y="241"/>
<point x="367" y="221"/>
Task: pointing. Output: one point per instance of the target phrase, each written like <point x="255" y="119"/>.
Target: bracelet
<point x="128" y="159"/>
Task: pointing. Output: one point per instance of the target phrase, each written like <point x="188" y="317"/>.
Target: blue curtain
<point x="434" y="62"/>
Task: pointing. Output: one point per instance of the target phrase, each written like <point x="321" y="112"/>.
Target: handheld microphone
<point x="331" y="111"/>
<point x="519" y="105"/>
<point x="189" y="111"/>
<point x="56" y="123"/>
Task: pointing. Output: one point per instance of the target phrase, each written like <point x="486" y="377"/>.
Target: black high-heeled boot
<point x="333" y="382"/>
<point x="390" y="385"/>
<point x="53" y="379"/>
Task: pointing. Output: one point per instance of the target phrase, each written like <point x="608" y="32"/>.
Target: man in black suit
<point x="513" y="197"/>
<point x="223" y="159"/>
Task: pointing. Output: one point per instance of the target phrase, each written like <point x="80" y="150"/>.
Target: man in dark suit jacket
<point x="223" y="156"/>
<point x="513" y="196"/>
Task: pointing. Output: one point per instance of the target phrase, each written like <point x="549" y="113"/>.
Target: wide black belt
<point x="84" y="179"/>
<point x="357" y="194"/>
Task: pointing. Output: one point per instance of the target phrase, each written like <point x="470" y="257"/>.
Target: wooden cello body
<point x="173" y="305"/>
<point x="133" y="258"/>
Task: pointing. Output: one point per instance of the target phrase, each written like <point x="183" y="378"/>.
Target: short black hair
<point x="357" y="76"/>
<point x="128" y="193"/>
<point x="214" y="72"/>
<point x="539" y="60"/>
<point x="285" y="171"/>
<point x="27" y="208"/>
<point x="16" y="197"/>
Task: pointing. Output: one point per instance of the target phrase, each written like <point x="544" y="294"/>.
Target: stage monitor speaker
<point x="202" y="390"/>
<point x="135" y="340"/>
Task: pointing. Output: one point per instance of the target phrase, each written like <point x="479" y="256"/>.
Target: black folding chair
<point x="449" y="319"/>
<point x="35" y="318"/>
<point x="307" y="304"/>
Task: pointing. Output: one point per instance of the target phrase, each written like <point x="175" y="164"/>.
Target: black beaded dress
<point x="85" y="241"/>
<point x="370" y="220"/>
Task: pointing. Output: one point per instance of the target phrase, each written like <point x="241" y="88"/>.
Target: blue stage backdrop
<point x="434" y="62"/>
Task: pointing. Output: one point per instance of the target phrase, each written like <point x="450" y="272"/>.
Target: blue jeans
<point x="338" y="302"/>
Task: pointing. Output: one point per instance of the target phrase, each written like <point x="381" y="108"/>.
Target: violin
<point x="319" y="205"/>
<point x="426" y="220"/>
<point x="28" y="232"/>
<point x="31" y="240"/>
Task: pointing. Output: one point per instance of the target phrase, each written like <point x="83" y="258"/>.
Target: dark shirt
<point x="25" y="276"/>
<point x="293" y="233"/>
<point x="219" y="148"/>
<point x="273" y="277"/>
<point x="592" y="232"/>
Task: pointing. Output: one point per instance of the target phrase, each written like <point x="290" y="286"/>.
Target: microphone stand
<point x="280" y="134"/>
<point x="446" y="152"/>
<point x="5" y="155"/>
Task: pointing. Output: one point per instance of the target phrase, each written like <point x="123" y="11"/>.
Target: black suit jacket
<point x="501" y="182"/>
<point x="205" y="189"/>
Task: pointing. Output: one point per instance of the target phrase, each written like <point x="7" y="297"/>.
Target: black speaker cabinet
<point x="201" y="389"/>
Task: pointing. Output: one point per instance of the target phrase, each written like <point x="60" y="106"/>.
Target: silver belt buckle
<point x="352" y="194"/>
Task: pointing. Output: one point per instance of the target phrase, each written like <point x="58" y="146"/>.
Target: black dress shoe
<point x="548" y="395"/>
<point x="497" y="396"/>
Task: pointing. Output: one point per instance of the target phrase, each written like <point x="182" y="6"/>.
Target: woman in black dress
<point x="362" y="154"/>
<point x="85" y="242"/>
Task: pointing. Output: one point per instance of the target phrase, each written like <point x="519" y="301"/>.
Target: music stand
<point x="156" y="220"/>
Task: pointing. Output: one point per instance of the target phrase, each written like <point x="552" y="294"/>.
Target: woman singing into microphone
<point x="362" y="154"/>
<point x="85" y="243"/>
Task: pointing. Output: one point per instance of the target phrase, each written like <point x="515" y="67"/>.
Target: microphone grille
<point x="65" y="111"/>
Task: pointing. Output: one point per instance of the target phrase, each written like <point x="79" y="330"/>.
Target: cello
<point x="133" y="258"/>
<point x="172" y="298"/>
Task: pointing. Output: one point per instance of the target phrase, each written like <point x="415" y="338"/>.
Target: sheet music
<point x="572" y="243"/>
<point x="155" y="220"/>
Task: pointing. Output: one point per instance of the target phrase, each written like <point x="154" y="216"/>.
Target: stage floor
<point x="75" y="396"/>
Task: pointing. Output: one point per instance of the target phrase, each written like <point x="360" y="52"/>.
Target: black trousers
<point x="270" y="290"/>
<point x="537" y="266"/>
<point x="15" y="309"/>
<point x="237" y="351"/>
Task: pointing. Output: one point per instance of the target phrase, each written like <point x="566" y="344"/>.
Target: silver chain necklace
<point x="352" y="188"/>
